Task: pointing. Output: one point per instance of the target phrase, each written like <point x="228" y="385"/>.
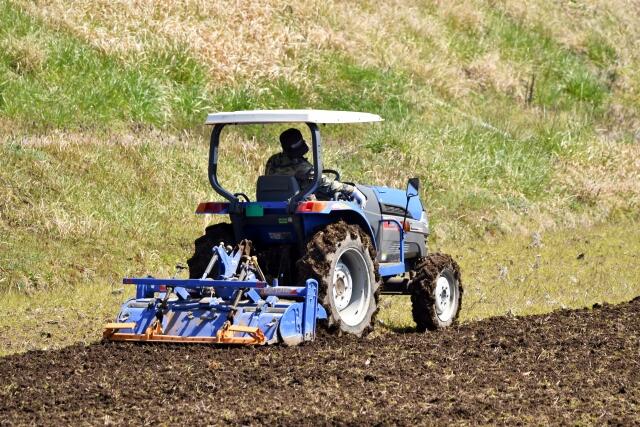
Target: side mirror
<point x="412" y="187"/>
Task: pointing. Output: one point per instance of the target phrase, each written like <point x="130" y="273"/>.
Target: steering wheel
<point x="246" y="198"/>
<point x="332" y="172"/>
<point x="339" y="195"/>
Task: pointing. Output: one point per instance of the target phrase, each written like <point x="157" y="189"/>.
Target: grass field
<point x="519" y="120"/>
<point x="516" y="275"/>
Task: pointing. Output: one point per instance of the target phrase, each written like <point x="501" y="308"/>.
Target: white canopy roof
<point x="291" y="116"/>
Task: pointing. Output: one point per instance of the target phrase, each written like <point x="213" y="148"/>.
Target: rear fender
<point x="318" y="214"/>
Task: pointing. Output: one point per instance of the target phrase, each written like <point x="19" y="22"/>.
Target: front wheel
<point x="342" y="259"/>
<point x="436" y="292"/>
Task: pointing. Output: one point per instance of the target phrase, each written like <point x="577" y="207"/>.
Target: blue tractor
<point x="289" y="259"/>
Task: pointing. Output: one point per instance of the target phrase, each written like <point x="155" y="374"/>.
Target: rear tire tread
<point x="317" y="261"/>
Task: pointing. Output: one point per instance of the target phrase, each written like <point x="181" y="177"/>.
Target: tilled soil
<point x="568" y="367"/>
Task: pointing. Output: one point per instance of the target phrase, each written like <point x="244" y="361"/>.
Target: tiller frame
<point x="239" y="307"/>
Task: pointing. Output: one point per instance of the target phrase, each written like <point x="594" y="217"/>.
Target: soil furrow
<point x="566" y="367"/>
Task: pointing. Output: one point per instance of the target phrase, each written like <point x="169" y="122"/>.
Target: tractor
<point x="288" y="260"/>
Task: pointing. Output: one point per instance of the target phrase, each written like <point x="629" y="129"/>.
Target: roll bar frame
<point x="233" y="200"/>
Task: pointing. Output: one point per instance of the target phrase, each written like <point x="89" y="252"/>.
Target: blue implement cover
<point x="188" y="310"/>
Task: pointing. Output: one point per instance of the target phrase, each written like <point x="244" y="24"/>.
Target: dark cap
<point x="293" y="144"/>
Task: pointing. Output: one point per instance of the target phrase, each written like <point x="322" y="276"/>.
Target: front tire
<point x="342" y="259"/>
<point x="436" y="292"/>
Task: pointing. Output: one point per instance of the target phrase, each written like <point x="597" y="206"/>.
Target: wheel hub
<point x="343" y="286"/>
<point x="351" y="287"/>
<point x="444" y="299"/>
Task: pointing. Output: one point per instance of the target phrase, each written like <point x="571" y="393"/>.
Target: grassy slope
<point x="103" y="156"/>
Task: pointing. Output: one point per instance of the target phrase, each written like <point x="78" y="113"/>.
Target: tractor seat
<point x="276" y="188"/>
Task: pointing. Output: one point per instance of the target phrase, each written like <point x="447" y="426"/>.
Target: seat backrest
<point x="276" y="188"/>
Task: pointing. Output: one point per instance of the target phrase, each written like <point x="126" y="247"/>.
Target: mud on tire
<point x="424" y="288"/>
<point x="345" y="243"/>
<point x="203" y="247"/>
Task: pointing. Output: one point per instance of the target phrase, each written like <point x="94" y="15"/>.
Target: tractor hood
<point x="393" y="202"/>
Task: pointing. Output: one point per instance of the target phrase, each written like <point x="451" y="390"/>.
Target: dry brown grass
<point x="247" y="41"/>
<point x="27" y="54"/>
<point x="572" y="22"/>
<point x="464" y="15"/>
<point x="606" y="177"/>
<point x="72" y="140"/>
<point x="404" y="35"/>
<point x="492" y="71"/>
<point x="235" y="39"/>
<point x="273" y="38"/>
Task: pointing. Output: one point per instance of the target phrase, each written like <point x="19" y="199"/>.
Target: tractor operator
<point x="292" y="162"/>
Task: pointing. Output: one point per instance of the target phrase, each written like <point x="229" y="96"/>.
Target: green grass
<point x="46" y="320"/>
<point x="501" y="277"/>
<point x="104" y="160"/>
<point x="68" y="212"/>
<point x="563" y="79"/>
<point x="50" y="79"/>
<point x="512" y="276"/>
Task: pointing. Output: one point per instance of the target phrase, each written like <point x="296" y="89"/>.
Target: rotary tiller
<point x="236" y="307"/>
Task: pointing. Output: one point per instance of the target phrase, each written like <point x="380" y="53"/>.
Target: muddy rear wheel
<point x="436" y="292"/>
<point x="342" y="259"/>
<point x="203" y="248"/>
